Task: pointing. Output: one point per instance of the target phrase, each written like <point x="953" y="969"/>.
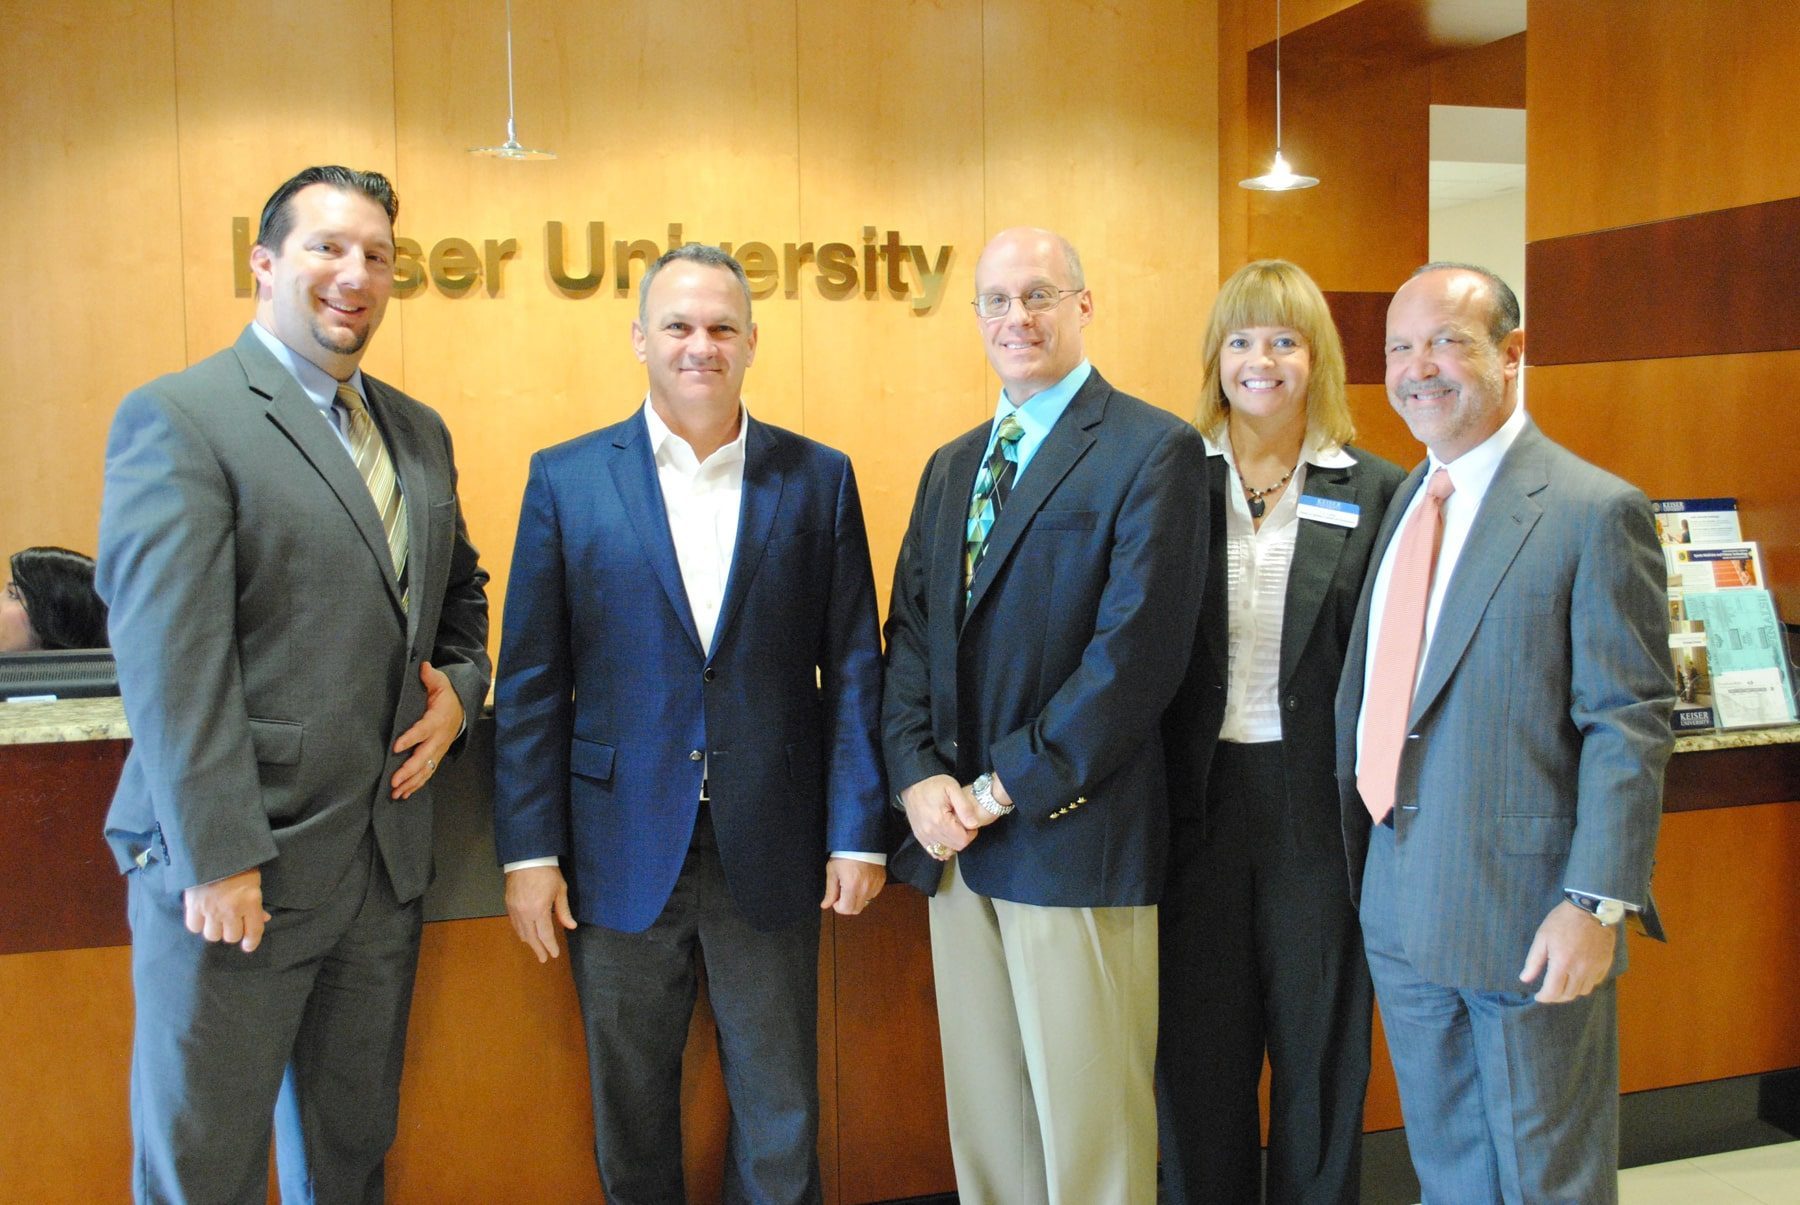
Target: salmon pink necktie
<point x="1390" y="698"/>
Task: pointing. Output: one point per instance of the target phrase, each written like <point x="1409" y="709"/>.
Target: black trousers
<point x="1261" y="952"/>
<point x="637" y="993"/>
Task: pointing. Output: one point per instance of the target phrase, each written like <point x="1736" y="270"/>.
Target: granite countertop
<point x="104" y="720"/>
<point x="1737" y="738"/>
<point x="63" y="720"/>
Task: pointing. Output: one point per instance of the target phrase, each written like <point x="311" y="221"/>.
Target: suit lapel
<point x="1067" y="442"/>
<point x="634" y="474"/>
<point x="1214" y="621"/>
<point x="761" y="499"/>
<point x="1318" y="547"/>
<point x="1508" y="512"/>
<point x="409" y="466"/>
<point x="312" y="435"/>
<point x="946" y="584"/>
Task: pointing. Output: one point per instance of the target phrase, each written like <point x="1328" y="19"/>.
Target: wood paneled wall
<point x="134" y="133"/>
<point x="1683" y="147"/>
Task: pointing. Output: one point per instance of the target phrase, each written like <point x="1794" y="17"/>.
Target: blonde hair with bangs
<point x="1274" y="292"/>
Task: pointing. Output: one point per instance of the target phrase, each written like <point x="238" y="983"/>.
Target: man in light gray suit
<point x="300" y="624"/>
<point x="1503" y="724"/>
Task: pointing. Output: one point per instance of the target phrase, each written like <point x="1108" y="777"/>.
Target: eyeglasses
<point x="997" y="305"/>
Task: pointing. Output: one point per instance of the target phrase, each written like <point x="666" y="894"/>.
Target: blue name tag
<point x="1329" y="510"/>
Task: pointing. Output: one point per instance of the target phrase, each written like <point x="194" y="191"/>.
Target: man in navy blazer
<point x="686" y="756"/>
<point x="1495" y="862"/>
<point x="1021" y="728"/>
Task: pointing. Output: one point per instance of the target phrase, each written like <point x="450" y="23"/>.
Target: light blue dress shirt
<point x="1036" y="416"/>
<point x="314" y="381"/>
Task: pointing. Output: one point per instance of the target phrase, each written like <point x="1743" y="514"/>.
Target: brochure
<point x="1696" y="520"/>
<point x="1693" y="680"/>
<point x="1746" y="657"/>
<point x="1725" y="566"/>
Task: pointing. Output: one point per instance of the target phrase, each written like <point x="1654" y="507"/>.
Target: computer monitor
<point x="58" y="674"/>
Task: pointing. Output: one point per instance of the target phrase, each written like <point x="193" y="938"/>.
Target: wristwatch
<point x="1607" y="912"/>
<point x="983" y="790"/>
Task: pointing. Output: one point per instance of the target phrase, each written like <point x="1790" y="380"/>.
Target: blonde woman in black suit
<point x="1261" y="951"/>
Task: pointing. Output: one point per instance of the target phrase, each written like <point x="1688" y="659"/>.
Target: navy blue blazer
<point x="1057" y="672"/>
<point x="608" y="710"/>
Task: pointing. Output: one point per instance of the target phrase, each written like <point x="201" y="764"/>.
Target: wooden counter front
<point x="495" y="1104"/>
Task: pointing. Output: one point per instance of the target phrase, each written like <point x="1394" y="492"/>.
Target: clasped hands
<point x="943" y="813"/>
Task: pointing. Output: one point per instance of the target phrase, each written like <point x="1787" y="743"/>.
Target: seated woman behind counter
<point x="50" y="603"/>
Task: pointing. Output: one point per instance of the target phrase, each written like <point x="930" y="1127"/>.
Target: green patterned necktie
<point x="992" y="485"/>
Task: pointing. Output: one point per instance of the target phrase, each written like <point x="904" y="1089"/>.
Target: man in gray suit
<point x="300" y="624"/>
<point x="1503" y="724"/>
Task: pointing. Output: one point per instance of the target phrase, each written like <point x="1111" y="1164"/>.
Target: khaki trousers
<point x="1048" y="1023"/>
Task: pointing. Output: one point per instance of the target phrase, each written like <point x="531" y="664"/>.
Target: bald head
<point x="1032" y="350"/>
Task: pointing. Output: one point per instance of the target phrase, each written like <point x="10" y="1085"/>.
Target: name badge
<point x="1329" y="510"/>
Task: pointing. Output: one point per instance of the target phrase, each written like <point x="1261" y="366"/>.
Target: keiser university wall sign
<point x="882" y="265"/>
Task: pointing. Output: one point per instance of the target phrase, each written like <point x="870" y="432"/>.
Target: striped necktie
<point x="992" y="485"/>
<point x="377" y="469"/>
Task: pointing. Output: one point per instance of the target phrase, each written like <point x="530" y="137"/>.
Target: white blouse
<point x="1257" y="561"/>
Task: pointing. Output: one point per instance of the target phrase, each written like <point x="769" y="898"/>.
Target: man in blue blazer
<point x="1505" y="823"/>
<point x="686" y="756"/>
<point x="1044" y="604"/>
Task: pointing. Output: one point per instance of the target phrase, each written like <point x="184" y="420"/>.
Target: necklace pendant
<point x="1256" y="508"/>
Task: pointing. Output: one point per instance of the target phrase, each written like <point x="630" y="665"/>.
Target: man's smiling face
<point x="324" y="290"/>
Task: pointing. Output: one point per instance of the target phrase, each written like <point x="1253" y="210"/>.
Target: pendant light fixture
<point x="510" y="149"/>
<point x="1280" y="177"/>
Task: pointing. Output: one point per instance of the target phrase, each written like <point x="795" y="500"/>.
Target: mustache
<point x="1411" y="384"/>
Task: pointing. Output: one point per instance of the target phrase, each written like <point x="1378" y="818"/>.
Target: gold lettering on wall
<point x="882" y="266"/>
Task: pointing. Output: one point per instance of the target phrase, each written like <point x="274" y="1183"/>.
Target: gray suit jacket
<point x="265" y="661"/>
<point x="1540" y="728"/>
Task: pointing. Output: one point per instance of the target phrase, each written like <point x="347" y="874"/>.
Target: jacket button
<point x="1293" y="703"/>
<point x="696" y="755"/>
<point x="707" y="675"/>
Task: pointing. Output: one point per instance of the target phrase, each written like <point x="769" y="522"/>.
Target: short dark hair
<point x="1503" y="315"/>
<point x="695" y="253"/>
<point x="58" y="588"/>
<point x="278" y="212"/>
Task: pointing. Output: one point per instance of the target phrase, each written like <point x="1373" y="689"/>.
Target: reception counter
<point x="494" y="1103"/>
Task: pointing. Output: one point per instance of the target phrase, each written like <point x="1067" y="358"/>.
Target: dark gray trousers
<point x="637" y="993"/>
<point x="309" y="1030"/>
<point x="1504" y="1099"/>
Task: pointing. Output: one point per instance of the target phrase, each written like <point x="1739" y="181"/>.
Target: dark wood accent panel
<point x="1708" y="284"/>
<point x="1362" y="325"/>
<point x="1491" y="76"/>
<point x="1718" y="778"/>
<point x="59" y="887"/>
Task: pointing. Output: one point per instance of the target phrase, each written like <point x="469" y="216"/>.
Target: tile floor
<point x="1762" y="1175"/>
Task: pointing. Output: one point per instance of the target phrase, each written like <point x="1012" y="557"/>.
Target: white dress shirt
<point x="1257" y="561"/>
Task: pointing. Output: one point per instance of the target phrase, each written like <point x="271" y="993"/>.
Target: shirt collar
<point x="1474" y="470"/>
<point x="1040" y="413"/>
<point x="670" y="449"/>
<point x="1314" y="451"/>
<point x="318" y="384"/>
